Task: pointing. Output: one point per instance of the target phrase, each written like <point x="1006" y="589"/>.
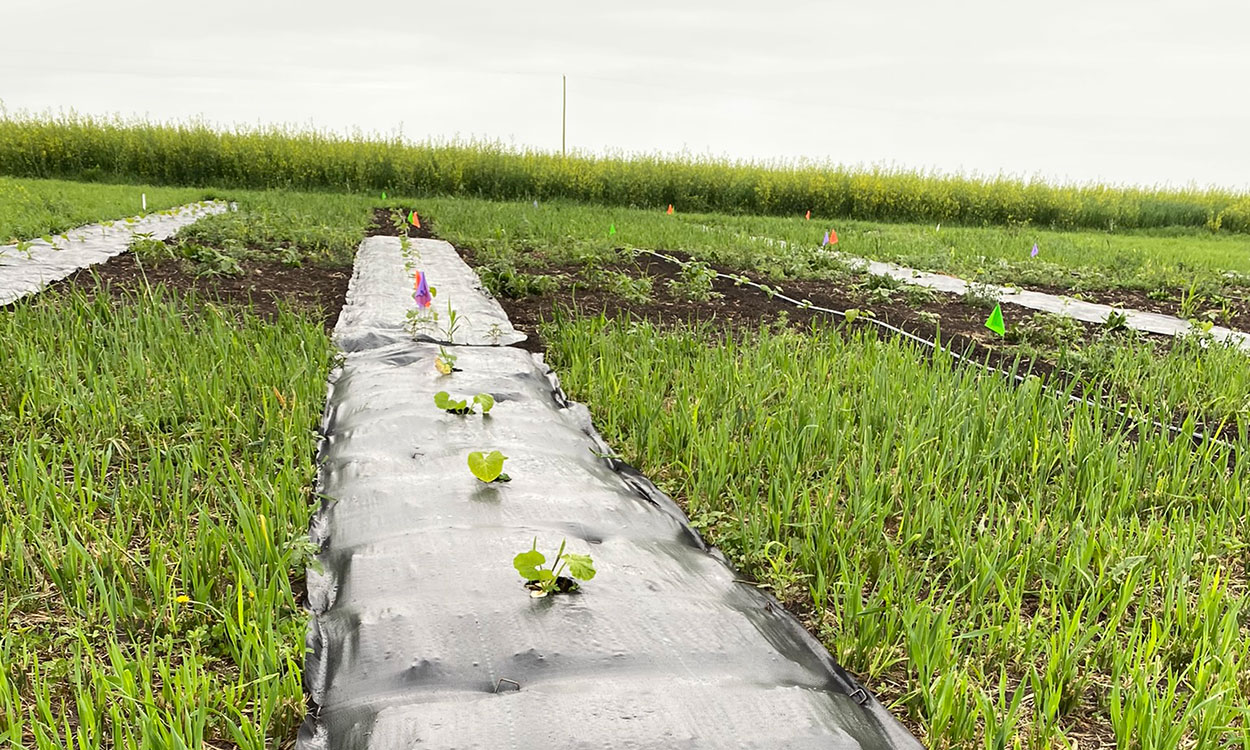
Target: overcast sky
<point x="1125" y="91"/>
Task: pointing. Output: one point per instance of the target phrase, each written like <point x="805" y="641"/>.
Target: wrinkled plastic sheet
<point x="24" y="272"/>
<point x="422" y="633"/>
<point x="380" y="298"/>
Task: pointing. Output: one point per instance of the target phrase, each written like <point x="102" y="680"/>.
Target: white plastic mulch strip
<point x="380" y="299"/>
<point x="34" y="265"/>
<point x="1089" y="312"/>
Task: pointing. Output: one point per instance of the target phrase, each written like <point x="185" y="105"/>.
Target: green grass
<point x="1009" y="568"/>
<point x="35" y="208"/>
<point x="518" y="234"/>
<point x="155" y="466"/>
<point x="78" y="147"/>
<point x="1020" y="569"/>
<point x="280" y="225"/>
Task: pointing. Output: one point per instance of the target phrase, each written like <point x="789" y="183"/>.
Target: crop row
<point x="197" y="154"/>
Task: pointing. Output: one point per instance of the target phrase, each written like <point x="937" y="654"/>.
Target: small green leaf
<point x="851" y="314"/>
<point x="443" y="401"/>
<point x="486" y="401"/>
<point x="528" y="564"/>
<point x="486" y="467"/>
<point x="545" y="575"/>
<point x="580" y="566"/>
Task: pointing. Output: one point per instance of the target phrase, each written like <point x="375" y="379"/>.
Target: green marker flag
<point x="995" y="323"/>
<point x="383" y="195"/>
<point x="611" y="229"/>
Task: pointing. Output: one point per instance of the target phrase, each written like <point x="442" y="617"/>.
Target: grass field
<point x="156" y="463"/>
<point x="1021" y="571"/>
<point x="1006" y="568"/>
<point x="292" y="227"/>
<point x="35" y="208"/>
<point x="193" y="154"/>
<point x="516" y="232"/>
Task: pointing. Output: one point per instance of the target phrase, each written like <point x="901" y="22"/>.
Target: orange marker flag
<point x="809" y="215"/>
<point x="833" y="237"/>
<point x="416" y="220"/>
<point x="670" y="209"/>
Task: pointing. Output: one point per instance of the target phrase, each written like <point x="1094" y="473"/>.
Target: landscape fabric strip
<point x="423" y="634"/>
<point x="1089" y="312"/>
<point x="773" y="293"/>
<point x="28" y="269"/>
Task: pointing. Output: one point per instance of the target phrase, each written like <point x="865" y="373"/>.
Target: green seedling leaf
<point x="443" y="400"/>
<point x="487" y="466"/>
<point x="529" y="563"/>
<point x="486" y="401"/>
<point x="581" y="567"/>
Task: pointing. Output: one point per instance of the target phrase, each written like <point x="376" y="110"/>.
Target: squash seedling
<point x="488" y="467"/>
<point x="542" y="581"/>
<point x="444" y="401"/>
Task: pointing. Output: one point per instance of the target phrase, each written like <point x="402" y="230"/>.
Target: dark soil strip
<point x="384" y="225"/>
<point x="263" y="286"/>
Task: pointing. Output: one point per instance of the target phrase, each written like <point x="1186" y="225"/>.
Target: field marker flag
<point x="414" y="220"/>
<point x="383" y="195"/>
<point x="670" y="209"/>
<point x="1034" y="253"/>
<point x="825" y="241"/>
<point x="995" y="323"/>
<point x="611" y="229"/>
<point x="833" y="237"/>
<point x="808" y="215"/>
<point x="421" y="290"/>
<point x="144" y="196"/>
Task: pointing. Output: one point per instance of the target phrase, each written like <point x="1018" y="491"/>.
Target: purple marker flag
<point x="421" y="290"/>
<point x="1034" y="253"/>
<point x="826" y="240"/>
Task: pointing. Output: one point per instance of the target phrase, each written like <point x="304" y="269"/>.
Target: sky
<point x="1124" y="92"/>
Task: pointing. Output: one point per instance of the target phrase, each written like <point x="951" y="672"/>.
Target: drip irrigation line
<point x="773" y="293"/>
